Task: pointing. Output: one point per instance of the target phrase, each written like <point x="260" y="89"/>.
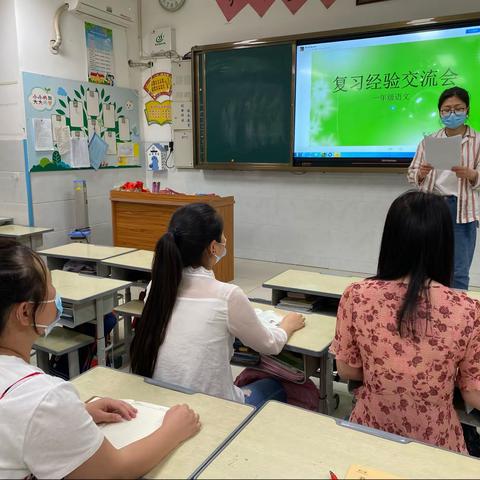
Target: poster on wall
<point x="99" y="54"/>
<point x="76" y="113"/>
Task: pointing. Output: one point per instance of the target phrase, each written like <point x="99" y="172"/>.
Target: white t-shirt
<point x="198" y="346"/>
<point x="46" y="430"/>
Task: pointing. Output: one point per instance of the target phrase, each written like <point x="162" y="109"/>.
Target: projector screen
<point x="369" y="101"/>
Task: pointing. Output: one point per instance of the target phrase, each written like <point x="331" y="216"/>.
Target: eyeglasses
<point x="447" y="111"/>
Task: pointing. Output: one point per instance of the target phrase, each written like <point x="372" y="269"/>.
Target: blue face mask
<point x="454" y="120"/>
<point x="219" y="257"/>
<point x="56" y="322"/>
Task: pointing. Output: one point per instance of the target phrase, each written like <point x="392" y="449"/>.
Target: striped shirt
<point x="468" y="201"/>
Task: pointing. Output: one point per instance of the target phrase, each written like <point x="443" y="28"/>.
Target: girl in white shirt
<point x="46" y="430"/>
<point x="190" y="320"/>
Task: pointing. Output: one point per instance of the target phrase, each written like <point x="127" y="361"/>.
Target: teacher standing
<point x="461" y="194"/>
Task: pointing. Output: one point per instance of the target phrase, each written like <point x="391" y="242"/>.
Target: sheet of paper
<point x="93" y="127"/>
<point x="76" y="113"/>
<point x="42" y="128"/>
<point x="443" y="153"/>
<point x="359" y="472"/>
<point x="111" y="140"/>
<point x="63" y="140"/>
<point x="79" y="157"/>
<point x="125" y="149"/>
<point x="108" y="115"/>
<point x="124" y="129"/>
<point x="268" y="317"/>
<point x="149" y="418"/>
<point x="57" y="122"/>
<point x="92" y="103"/>
<point x="97" y="150"/>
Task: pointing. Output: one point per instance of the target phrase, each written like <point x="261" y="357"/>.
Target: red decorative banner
<point x="230" y="8"/>
<point x="261" y="6"/>
<point x="328" y="3"/>
<point x="294" y="5"/>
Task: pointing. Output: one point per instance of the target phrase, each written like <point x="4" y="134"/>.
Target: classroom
<point x="238" y="239"/>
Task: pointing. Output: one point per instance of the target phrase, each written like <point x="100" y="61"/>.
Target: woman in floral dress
<point x="408" y="336"/>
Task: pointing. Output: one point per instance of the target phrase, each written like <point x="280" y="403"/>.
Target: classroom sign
<point x="63" y="116"/>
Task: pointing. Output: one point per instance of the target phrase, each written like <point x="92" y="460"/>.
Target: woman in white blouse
<point x="186" y="333"/>
<point x="47" y="431"/>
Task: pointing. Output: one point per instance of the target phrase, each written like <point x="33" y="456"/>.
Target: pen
<point x="333" y="476"/>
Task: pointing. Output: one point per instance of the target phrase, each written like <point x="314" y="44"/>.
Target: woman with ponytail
<point x="189" y="322"/>
<point x="407" y="335"/>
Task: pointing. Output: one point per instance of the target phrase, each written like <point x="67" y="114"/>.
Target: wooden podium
<point x="140" y="219"/>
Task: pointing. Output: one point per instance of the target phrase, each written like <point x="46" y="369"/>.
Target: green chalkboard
<point x="244" y="106"/>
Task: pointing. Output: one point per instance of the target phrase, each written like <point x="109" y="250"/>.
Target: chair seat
<point x="61" y="341"/>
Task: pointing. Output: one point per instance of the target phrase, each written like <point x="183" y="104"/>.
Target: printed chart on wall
<point x="74" y="124"/>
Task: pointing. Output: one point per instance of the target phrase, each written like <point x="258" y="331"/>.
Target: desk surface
<point x="76" y="288"/>
<point x="219" y="417"/>
<point x="84" y="251"/>
<point x="311" y="282"/>
<point x="315" y="338"/>
<point x="17" y="231"/>
<point x="138" y="260"/>
<point x="282" y="441"/>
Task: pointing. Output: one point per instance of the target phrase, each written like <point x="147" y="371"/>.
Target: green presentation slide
<point x="386" y="94"/>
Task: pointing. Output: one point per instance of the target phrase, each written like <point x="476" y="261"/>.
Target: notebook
<point x="149" y="418"/>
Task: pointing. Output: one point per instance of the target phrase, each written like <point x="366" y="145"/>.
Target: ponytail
<point x="151" y="328"/>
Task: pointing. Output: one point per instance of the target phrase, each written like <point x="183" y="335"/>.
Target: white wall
<point x="13" y="201"/>
<point x="326" y="220"/>
<point x="53" y="192"/>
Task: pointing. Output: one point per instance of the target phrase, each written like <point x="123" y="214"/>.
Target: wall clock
<point x="172" y="5"/>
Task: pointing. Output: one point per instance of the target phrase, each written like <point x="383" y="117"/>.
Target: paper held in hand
<point x="443" y="153"/>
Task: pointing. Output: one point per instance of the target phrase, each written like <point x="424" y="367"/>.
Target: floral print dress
<point x="408" y="382"/>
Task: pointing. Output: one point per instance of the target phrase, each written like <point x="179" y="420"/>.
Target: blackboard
<point x="243" y="98"/>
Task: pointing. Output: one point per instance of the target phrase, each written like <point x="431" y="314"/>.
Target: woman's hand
<point x="181" y="423"/>
<point x="108" y="410"/>
<point x="465" y="172"/>
<point x="423" y="171"/>
<point x="292" y="322"/>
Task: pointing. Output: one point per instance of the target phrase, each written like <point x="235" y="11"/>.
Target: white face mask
<point x="219" y="257"/>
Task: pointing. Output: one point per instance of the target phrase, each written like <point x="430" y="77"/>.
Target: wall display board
<point x="65" y="119"/>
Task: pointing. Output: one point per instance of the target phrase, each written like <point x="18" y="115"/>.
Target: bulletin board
<point x="73" y="111"/>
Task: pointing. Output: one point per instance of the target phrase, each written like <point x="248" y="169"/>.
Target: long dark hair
<point x="23" y="278"/>
<point x="192" y="228"/>
<point x="417" y="242"/>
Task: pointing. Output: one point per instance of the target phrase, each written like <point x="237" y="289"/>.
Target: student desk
<point x="134" y="266"/>
<point x="312" y="342"/>
<point x="30" y="236"/>
<point x="6" y="221"/>
<point x="58" y="256"/>
<point x="220" y="418"/>
<point x="310" y="283"/>
<point x="281" y="441"/>
<point x="87" y="298"/>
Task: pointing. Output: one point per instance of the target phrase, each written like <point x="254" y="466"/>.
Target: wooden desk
<point x="58" y="256"/>
<point x="87" y="298"/>
<point x="313" y="342"/>
<point x="310" y="283"/>
<point x="281" y="441"/>
<point x="140" y="219"/>
<point x="30" y="236"/>
<point x="220" y="418"/>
